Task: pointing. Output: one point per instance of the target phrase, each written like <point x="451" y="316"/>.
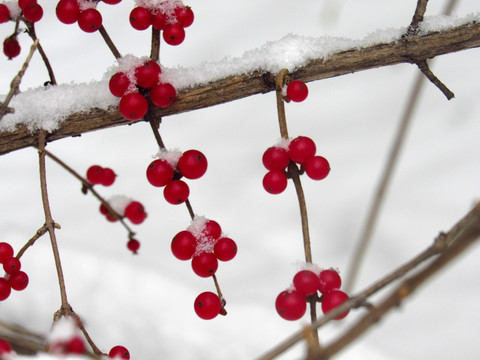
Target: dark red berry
<point x="275" y="181"/>
<point x="4" y="14"/>
<point x="22" y="4"/>
<point x="119" y="352"/>
<point x="225" y="249"/>
<point x="75" y="345"/>
<point x="68" y="11"/>
<point x="18" y="281"/>
<point x="108" y="177"/>
<point x="5" y="289"/>
<point x="329" y="280"/>
<point x="183" y="245"/>
<point x="11" y="47"/>
<point x="290" y="305"/>
<point x="192" y="164"/>
<point x="90" y="20"/>
<point x="174" y="34"/>
<point x="95" y="174"/>
<point x="184" y="16"/>
<point x="135" y="212"/>
<point x="12" y="265"/>
<point x="133" y="245"/>
<point x="148" y="74"/>
<point x="204" y="264"/>
<point x="301" y="149"/>
<point x="297" y="91"/>
<point x="133" y="106"/>
<point x="333" y="299"/>
<point x="159" y="173"/>
<point x="207" y="305"/>
<point x="111" y="2"/>
<point x="33" y="12"/>
<point x="317" y="167"/>
<point x="275" y="158"/>
<point x="163" y="95"/>
<point x="140" y="18"/>
<point x="118" y="84"/>
<point x="306" y="282"/>
<point x="212" y="229"/>
<point x="6" y="251"/>
<point x="159" y="20"/>
<point x="176" y="192"/>
<point x="5" y="347"/>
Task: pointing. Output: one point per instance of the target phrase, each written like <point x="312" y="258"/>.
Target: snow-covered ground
<point x="145" y="302"/>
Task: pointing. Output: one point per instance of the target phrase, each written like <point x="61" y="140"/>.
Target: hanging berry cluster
<point x="14" y="278"/>
<point x="170" y="167"/>
<point x="291" y="304"/>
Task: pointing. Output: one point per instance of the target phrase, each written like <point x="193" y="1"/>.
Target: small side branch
<point x="109" y="42"/>
<point x="423" y="66"/>
<point x="43" y="54"/>
<point x="418" y="16"/>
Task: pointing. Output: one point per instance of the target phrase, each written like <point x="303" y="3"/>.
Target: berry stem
<point x="282" y="119"/>
<point x="31" y="32"/>
<point x="155" y="52"/>
<point x="109" y="42"/>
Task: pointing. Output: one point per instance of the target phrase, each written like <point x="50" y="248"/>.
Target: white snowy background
<point x="145" y="302"/>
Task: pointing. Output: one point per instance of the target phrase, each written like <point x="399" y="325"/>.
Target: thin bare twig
<point x="109" y="42"/>
<point x="43" y="54"/>
<point x="423" y="66"/>
<point x="418" y="16"/>
<point x="155" y="51"/>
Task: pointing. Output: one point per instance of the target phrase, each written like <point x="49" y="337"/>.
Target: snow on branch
<point x="70" y="110"/>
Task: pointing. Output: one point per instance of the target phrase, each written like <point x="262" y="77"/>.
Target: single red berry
<point x="148" y="74"/>
<point x="159" y="20"/>
<point x="6" y="251"/>
<point x="159" y="172"/>
<point x="111" y="218"/>
<point x="317" y="167"/>
<point x="297" y="91"/>
<point x="192" y="164"/>
<point x="290" y="305"/>
<point x="119" y="352"/>
<point x="176" y="192"/>
<point x="5" y="289"/>
<point x="12" y="265"/>
<point x="212" y="229"/>
<point x="174" y="34"/>
<point x="22" y="4"/>
<point x="111" y="2"/>
<point x="306" y="282"/>
<point x="333" y="299"/>
<point x="183" y="245"/>
<point x="184" y="16"/>
<point x="103" y="209"/>
<point x="4" y="14"/>
<point x="18" y="281"/>
<point x="275" y="181"/>
<point x="204" y="264"/>
<point x="11" y="47"/>
<point x="275" y="158"/>
<point x="108" y="177"/>
<point x="163" y="95"/>
<point x="133" y="106"/>
<point x="33" y="12"/>
<point x="95" y="174"/>
<point x="75" y="345"/>
<point x="135" y="212"/>
<point x="5" y="347"/>
<point x="329" y="280"/>
<point x="68" y="11"/>
<point x="133" y="245"/>
<point x="140" y="18"/>
<point x="207" y="305"/>
<point x="225" y="249"/>
<point x="301" y="149"/>
<point x="90" y="20"/>
<point x="118" y="84"/>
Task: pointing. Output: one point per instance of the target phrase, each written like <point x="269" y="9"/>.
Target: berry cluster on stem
<point x="14" y="278"/>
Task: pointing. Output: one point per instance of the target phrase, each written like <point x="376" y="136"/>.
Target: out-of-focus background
<point x="145" y="302"/>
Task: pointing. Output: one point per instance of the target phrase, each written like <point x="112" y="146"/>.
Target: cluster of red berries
<point x="170" y="167"/>
<point x="100" y="175"/>
<point x="291" y="304"/>
<point x="82" y="11"/>
<point x="300" y="150"/>
<point x="169" y="16"/>
<point x="30" y="10"/>
<point x="14" y="278"/>
<point x="138" y="81"/>
<point x="132" y="210"/>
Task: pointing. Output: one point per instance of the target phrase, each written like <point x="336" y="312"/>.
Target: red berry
<point x="163" y="95"/>
<point x="118" y="84"/>
<point x="275" y="158"/>
<point x="108" y="177"/>
<point x="212" y="229"/>
<point x="329" y="280"/>
<point x="12" y="265"/>
<point x="75" y="345"/>
<point x="306" y="282"/>
<point x="301" y="149"/>
<point x="6" y="251"/>
<point x="333" y="299"/>
<point x="135" y="212"/>
<point x="22" y="4"/>
<point x="184" y="16"/>
<point x="176" y="192"/>
<point x="4" y="14"/>
<point x="297" y="91"/>
<point x="5" y="289"/>
<point x="5" y="347"/>
<point x="204" y="264"/>
<point x="192" y="164"/>
<point x="133" y="245"/>
<point x="183" y="245"/>
<point x="90" y="20"/>
<point x="11" y="47"/>
<point x="119" y="351"/>
<point x="68" y="11"/>
<point x="18" y="281"/>
<point x="147" y="74"/>
<point x="225" y="249"/>
<point x="290" y="305"/>
<point x="317" y="167"/>
<point x="111" y="2"/>
<point x="207" y="305"/>
<point x="103" y="209"/>
<point x="33" y="12"/>
<point x="133" y="106"/>
<point x="140" y="18"/>
<point x="159" y="173"/>
<point x="159" y="20"/>
<point x="95" y="174"/>
<point x="174" y="34"/>
<point x="275" y="181"/>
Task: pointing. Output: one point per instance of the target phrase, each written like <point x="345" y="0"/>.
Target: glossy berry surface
<point x="290" y="305"/>
<point x="6" y="251"/>
<point x="22" y="4"/>
<point x="212" y="229"/>
<point x="118" y="84"/>
<point x="140" y="18"/>
<point x="33" y="12"/>
<point x="317" y="168"/>
<point x="176" y="192"/>
<point x="183" y="245"/>
<point x="192" y="164"/>
<point x="68" y="11"/>
<point x="225" y="249"/>
<point x="204" y="264"/>
<point x="275" y="182"/>
<point x="301" y="149"/>
<point x="5" y="289"/>
<point x="148" y="74"/>
<point x="174" y="34"/>
<point x="18" y="281"/>
<point x="275" y="158"/>
<point x="207" y="305"/>
<point x="135" y="212"/>
<point x="108" y="177"/>
<point x="133" y="245"/>
<point x="11" y="47"/>
<point x="184" y="16"/>
<point x="133" y="106"/>
<point x="12" y="265"/>
<point x="119" y="352"/>
<point x="333" y="299"/>
<point x="90" y="20"/>
<point x="163" y="95"/>
<point x="95" y="174"/>
<point x="4" y="14"/>
<point x="306" y="282"/>
<point x="329" y="280"/>
<point x="297" y="91"/>
<point x="159" y="173"/>
<point x="159" y="20"/>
